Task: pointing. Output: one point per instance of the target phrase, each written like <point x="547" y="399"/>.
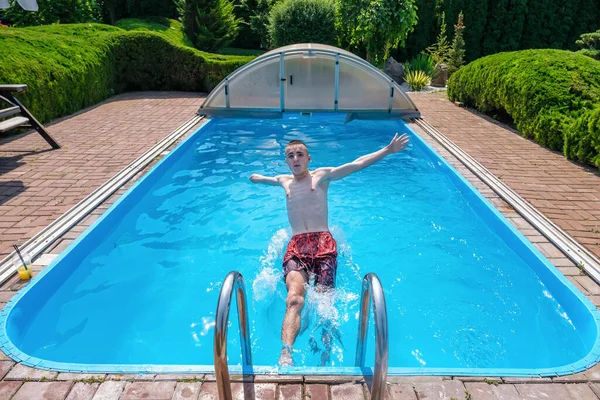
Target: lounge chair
<point x="20" y="116"/>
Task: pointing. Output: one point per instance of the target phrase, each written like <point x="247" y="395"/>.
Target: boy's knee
<point x="295" y="301"/>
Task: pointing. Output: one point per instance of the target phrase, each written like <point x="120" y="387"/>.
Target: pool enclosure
<point x="308" y="78"/>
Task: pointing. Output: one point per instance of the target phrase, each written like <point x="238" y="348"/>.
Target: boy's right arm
<point x="267" y="180"/>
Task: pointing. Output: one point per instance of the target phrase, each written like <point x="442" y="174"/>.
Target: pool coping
<point x="585" y="363"/>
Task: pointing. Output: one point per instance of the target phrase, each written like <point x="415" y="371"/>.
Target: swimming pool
<point x="465" y="292"/>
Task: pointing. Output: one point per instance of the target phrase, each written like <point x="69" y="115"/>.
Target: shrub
<point x="210" y="24"/>
<point x="378" y="25"/>
<point x="259" y="21"/>
<point x="421" y="62"/>
<point x="590" y="44"/>
<point x="302" y="21"/>
<point x="440" y="50"/>
<point x="246" y="37"/>
<point x="69" y="67"/>
<point x="158" y="8"/>
<point x="550" y="95"/>
<point x="53" y="12"/>
<point x="456" y="56"/>
<point x="417" y="80"/>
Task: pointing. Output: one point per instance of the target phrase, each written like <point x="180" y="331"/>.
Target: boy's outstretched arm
<point x="397" y="144"/>
<point x="267" y="180"/>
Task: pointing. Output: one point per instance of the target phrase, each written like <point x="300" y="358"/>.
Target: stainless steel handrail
<point x="371" y="287"/>
<point x="233" y="282"/>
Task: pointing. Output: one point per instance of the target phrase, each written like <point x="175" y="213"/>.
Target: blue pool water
<point x="138" y="291"/>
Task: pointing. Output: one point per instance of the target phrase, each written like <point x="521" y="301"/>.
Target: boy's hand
<point x="254" y="178"/>
<point x="398" y="143"/>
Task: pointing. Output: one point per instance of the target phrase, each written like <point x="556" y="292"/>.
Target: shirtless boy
<point x="312" y="249"/>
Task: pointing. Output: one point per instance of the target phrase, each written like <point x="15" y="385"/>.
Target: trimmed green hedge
<point x="70" y="67"/>
<point x="553" y="97"/>
<point x="302" y="21"/>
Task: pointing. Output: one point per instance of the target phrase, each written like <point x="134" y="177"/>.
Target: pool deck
<point x="37" y="185"/>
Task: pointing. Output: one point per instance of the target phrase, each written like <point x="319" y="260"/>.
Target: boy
<point x="312" y="249"/>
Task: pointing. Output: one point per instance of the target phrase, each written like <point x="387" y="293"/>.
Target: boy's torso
<point x="306" y="208"/>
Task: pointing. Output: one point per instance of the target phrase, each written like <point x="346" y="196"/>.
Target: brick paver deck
<point x="38" y="184"/>
<point x="566" y="193"/>
<point x="128" y="140"/>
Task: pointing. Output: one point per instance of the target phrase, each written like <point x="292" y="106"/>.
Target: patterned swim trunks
<point x="314" y="253"/>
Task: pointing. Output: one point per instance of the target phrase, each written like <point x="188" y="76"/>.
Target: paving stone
<point x="187" y="391"/>
<point x="573" y="378"/>
<point x="506" y="392"/>
<point x="4" y="357"/>
<point x="441" y="391"/>
<point x="20" y="372"/>
<point x="43" y="390"/>
<point x="581" y="391"/>
<point x="413" y="380"/>
<point x="334" y="380"/>
<point x="44" y="260"/>
<point x="401" y="392"/>
<point x="316" y="392"/>
<point x="258" y="391"/>
<point x="8" y="388"/>
<point x="290" y="392"/>
<point x="526" y="380"/>
<point x="279" y="378"/>
<point x="546" y="391"/>
<point x="149" y="390"/>
<point x="480" y="391"/>
<point x="347" y="391"/>
<point x="83" y="391"/>
<point x="5" y="366"/>
<point x="593" y="374"/>
<point x="179" y="377"/>
<point x="588" y="284"/>
<point x="208" y="391"/>
<point x="595" y="388"/>
<point x="485" y="379"/>
<point x="110" y="390"/>
<point x="130" y="377"/>
<point x="72" y="376"/>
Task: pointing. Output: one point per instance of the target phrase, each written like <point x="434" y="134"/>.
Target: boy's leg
<point x="295" y="281"/>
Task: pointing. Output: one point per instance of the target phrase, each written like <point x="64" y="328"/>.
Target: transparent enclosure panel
<point x="361" y="88"/>
<point x="400" y="101"/>
<point x="310" y="82"/>
<point x="257" y="86"/>
<point x="218" y="100"/>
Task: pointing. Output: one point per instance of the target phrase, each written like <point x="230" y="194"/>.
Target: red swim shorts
<point x="314" y="253"/>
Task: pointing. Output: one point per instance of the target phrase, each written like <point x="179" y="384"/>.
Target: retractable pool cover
<point x="308" y="77"/>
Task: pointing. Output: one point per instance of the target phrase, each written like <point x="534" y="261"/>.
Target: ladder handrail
<point x="233" y="282"/>
<point x="371" y="288"/>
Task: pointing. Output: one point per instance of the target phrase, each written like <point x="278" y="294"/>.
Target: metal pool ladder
<point x="233" y="282"/>
<point x="371" y="288"/>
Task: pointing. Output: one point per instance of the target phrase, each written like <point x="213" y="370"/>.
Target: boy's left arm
<point x="397" y="144"/>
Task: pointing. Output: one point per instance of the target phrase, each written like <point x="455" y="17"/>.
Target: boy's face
<point x="297" y="158"/>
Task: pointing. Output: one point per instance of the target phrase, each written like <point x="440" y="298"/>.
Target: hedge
<point x="505" y="25"/>
<point x="70" y="67"/>
<point x="553" y="97"/>
<point x="302" y="21"/>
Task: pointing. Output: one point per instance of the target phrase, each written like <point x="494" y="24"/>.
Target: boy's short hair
<point x="293" y="142"/>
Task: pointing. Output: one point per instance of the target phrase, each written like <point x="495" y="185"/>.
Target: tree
<point x="378" y="25"/>
<point x="439" y="50"/>
<point x="457" y="52"/>
<point x="210" y="24"/>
